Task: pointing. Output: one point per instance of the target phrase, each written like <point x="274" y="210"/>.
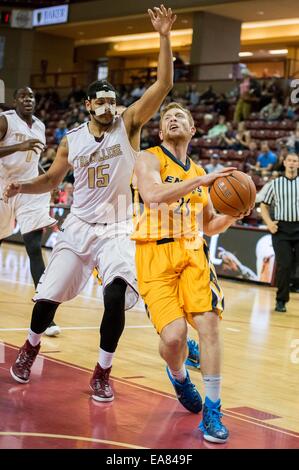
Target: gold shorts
<point x="176" y="279"/>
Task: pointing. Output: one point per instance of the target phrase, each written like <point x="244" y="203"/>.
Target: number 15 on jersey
<point x="97" y="178"/>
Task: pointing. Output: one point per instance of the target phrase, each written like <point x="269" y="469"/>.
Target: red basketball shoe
<point x="20" y="370"/>
<point x="99" y="383"/>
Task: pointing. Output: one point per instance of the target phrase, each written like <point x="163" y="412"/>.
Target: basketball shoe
<point x="99" y="383"/>
<point x="186" y="393"/>
<point x="20" y="370"/>
<point x="53" y="330"/>
<point x="193" y="354"/>
<point x="211" y="425"/>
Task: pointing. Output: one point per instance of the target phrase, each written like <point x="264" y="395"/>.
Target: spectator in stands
<point x="266" y="158"/>
<point x="273" y="111"/>
<point x="208" y="96"/>
<point x="214" y="164"/>
<point x="206" y="125"/>
<point x="292" y="142"/>
<point x="228" y="139"/>
<point x="66" y="194"/>
<point x="243" y="137"/>
<point x="250" y="159"/>
<point x="270" y="89"/>
<point x="60" y="131"/>
<point x="73" y="117"/>
<point x="82" y="117"/>
<point x="219" y="129"/>
<point x="126" y="98"/>
<point x="178" y="98"/>
<point x="78" y="94"/>
<point x="147" y="140"/>
<point x="52" y="96"/>
<point x="222" y="105"/>
<point x="138" y="91"/>
<point x="249" y="93"/>
<point x="192" y="95"/>
<point x="279" y="165"/>
<point x="44" y="116"/>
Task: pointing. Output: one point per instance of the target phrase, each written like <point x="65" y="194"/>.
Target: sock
<point x="34" y="338"/>
<point x="179" y="375"/>
<point x="212" y="385"/>
<point x="105" y="359"/>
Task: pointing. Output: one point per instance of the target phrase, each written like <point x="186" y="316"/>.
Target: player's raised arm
<point x="46" y="182"/>
<point x="143" y="109"/>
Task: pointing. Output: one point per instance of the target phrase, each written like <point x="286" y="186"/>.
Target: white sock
<point x="179" y="375"/>
<point x="212" y="385"/>
<point x="34" y="338"/>
<point x="105" y="359"/>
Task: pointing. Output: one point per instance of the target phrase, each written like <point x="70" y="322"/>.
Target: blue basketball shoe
<point x="193" y="354"/>
<point x="211" y="425"/>
<point x="186" y="393"/>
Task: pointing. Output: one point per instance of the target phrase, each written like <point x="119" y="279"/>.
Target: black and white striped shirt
<point x="283" y="193"/>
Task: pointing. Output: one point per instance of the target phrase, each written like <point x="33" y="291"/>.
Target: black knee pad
<point x="33" y="242"/>
<point x="113" y="321"/>
<point x="42" y="315"/>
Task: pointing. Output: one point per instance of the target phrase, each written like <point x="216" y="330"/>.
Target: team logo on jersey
<point x="98" y="156"/>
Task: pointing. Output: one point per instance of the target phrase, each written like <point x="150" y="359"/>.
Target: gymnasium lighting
<point x="278" y="51"/>
<point x="271" y="23"/>
<point x="245" y="54"/>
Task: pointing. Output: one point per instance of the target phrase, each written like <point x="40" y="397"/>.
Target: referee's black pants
<point x="286" y="247"/>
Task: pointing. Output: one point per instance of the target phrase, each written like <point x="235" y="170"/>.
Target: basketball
<point x="233" y="194"/>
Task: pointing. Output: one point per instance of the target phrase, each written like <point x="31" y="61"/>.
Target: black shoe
<point x="280" y="306"/>
<point x="294" y="289"/>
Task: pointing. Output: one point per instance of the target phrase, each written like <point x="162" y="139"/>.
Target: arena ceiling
<point x="246" y="11"/>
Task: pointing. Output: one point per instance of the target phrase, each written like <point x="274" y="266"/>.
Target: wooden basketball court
<point x="260" y="392"/>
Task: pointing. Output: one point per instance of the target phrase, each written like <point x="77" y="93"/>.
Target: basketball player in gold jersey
<point x="176" y="279"/>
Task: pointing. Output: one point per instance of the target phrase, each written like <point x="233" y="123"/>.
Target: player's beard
<point x="176" y="137"/>
<point x="103" y="121"/>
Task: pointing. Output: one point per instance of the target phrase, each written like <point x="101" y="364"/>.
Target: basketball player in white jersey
<point x="102" y="154"/>
<point x="22" y="138"/>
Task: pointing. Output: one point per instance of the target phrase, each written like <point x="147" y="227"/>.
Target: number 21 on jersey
<point x="97" y="178"/>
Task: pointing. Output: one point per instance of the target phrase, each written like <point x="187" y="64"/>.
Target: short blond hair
<point x="178" y="106"/>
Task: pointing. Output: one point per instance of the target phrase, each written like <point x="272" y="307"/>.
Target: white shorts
<point x="79" y="249"/>
<point x="31" y="211"/>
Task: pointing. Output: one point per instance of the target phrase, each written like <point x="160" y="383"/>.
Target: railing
<point x="60" y="80"/>
<point x="218" y="71"/>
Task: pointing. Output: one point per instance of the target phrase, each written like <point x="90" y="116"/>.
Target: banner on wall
<point x="243" y="254"/>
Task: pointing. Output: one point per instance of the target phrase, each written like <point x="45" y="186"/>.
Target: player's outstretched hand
<point x="208" y="180"/>
<point x="11" y="190"/>
<point x="162" y="19"/>
<point x="31" y="144"/>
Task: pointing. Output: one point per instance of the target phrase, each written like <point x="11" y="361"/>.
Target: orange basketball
<point x="233" y="194"/>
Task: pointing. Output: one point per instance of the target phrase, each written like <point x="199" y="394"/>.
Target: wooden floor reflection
<point x="260" y="374"/>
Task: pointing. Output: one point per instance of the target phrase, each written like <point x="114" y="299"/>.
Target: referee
<point x="283" y="193"/>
